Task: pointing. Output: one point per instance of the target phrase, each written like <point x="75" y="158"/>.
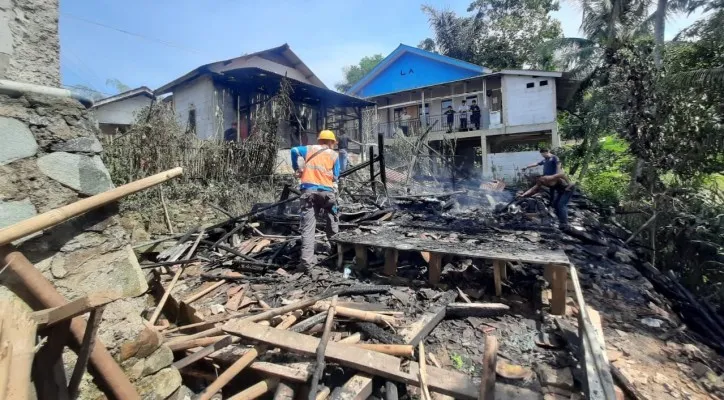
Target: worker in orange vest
<point x="319" y="177"/>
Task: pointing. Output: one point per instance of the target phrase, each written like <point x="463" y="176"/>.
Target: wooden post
<point x="390" y="262"/>
<point x="340" y="254"/>
<point x="487" y="383"/>
<point x="360" y="253"/>
<point x="256" y="390"/>
<point x="88" y="341"/>
<point x="498" y="267"/>
<point x="557" y="276"/>
<point x="434" y="268"/>
<point x="372" y="170"/>
<point x="423" y="371"/>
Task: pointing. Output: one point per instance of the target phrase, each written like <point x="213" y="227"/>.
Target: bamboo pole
<point x="424" y="390"/>
<point x="256" y="390"/>
<point x="54" y="217"/>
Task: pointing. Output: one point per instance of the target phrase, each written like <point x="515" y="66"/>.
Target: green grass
<point x="457" y="361"/>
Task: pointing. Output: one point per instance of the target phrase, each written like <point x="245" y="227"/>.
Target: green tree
<point x="353" y="73"/>
<point x="499" y="34"/>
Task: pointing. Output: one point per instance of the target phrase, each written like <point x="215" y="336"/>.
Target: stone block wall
<point x="49" y="157"/>
<point x="29" y="46"/>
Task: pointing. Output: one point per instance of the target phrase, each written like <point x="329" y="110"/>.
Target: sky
<point x="142" y="42"/>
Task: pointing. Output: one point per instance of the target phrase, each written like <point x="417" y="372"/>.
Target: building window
<point x="444" y="104"/>
<point x="543" y="83"/>
<point x="191" y="125"/>
<point x="530" y="85"/>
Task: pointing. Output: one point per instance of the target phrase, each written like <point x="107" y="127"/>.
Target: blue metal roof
<point x="408" y="68"/>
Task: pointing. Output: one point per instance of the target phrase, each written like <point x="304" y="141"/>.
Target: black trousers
<point x="463" y="124"/>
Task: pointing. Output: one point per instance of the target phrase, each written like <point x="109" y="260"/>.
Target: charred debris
<point x="455" y="293"/>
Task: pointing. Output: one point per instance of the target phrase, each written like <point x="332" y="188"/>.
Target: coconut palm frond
<point x="705" y="79"/>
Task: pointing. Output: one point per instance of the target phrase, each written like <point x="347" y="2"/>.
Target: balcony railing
<point x="439" y="123"/>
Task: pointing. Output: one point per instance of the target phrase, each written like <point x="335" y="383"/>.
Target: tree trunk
<point x="659" y="25"/>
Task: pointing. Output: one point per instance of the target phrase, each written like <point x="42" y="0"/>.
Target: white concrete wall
<point x="258" y="62"/>
<point x="198" y="94"/>
<point x="122" y="112"/>
<point x="523" y="105"/>
<point x="507" y="165"/>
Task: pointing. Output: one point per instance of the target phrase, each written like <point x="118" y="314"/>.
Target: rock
<point x="17" y="141"/>
<point x="652" y="322"/>
<point x="84" y="174"/>
<point x="57" y="268"/>
<point x="512" y="371"/>
<point x="87" y="144"/>
<point x="403" y="297"/>
<point x="561" y="378"/>
<point x="217" y="309"/>
<point x="160" y="359"/>
<point x="160" y="385"/>
<point x="700" y="369"/>
<point x="15" y="211"/>
<point x="147" y="341"/>
<point x="659" y="378"/>
<point x="133" y="367"/>
<point x="621" y="257"/>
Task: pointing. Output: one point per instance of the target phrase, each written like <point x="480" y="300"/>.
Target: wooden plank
<point x="391" y="262"/>
<point x="44" y="364"/>
<point x="475" y="309"/>
<point x="322" y="347"/>
<point x="284" y="372"/>
<point x="18" y="334"/>
<point x="203" y="292"/>
<point x="192" y="358"/>
<point x="89" y="339"/>
<point x="360" y="255"/>
<point x="447" y="382"/>
<point x="529" y="254"/>
<point x="559" y="277"/>
<point x="340" y="254"/>
<point x="52" y="316"/>
<point x="359" y="387"/>
<point x="599" y="382"/>
<point x="464" y="387"/>
<point x="498" y="265"/>
<point x="487" y="380"/>
<point x="434" y="268"/>
<point x="463" y="296"/>
<point x="261" y="245"/>
<point x="423" y="326"/>
<point x="399" y="350"/>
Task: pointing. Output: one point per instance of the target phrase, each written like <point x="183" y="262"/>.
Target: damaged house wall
<point x="49" y="158"/>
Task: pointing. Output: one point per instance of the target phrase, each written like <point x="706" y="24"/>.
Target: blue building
<point x="413" y="90"/>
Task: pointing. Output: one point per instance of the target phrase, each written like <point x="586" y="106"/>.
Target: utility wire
<point x="138" y="35"/>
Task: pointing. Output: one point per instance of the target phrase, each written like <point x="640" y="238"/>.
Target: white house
<point x="212" y="97"/>
<point x="518" y="108"/>
<point x="117" y="113"/>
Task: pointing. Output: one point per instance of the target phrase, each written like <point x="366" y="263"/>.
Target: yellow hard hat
<point x="327" y="135"/>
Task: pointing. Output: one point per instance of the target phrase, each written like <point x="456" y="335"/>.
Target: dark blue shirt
<point x="550" y="165"/>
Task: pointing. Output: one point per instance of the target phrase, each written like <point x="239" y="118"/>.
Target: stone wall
<point x="49" y="157"/>
<point x="29" y="46"/>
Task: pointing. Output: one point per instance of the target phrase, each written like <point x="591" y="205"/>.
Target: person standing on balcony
<point x="463" y="111"/>
<point x="319" y="178"/>
<point x="450" y="113"/>
<point x="475" y="115"/>
<point x="405" y="122"/>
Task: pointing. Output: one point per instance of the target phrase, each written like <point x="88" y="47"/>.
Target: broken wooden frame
<point x="556" y="262"/>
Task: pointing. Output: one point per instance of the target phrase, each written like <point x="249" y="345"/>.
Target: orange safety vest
<point x="319" y="168"/>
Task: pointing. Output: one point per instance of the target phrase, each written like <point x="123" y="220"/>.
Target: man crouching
<point x="319" y="186"/>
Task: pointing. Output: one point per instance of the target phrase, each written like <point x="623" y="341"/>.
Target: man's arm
<point x="336" y="169"/>
<point x="534" y="165"/>
<point x="531" y="191"/>
<point x="299" y="151"/>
